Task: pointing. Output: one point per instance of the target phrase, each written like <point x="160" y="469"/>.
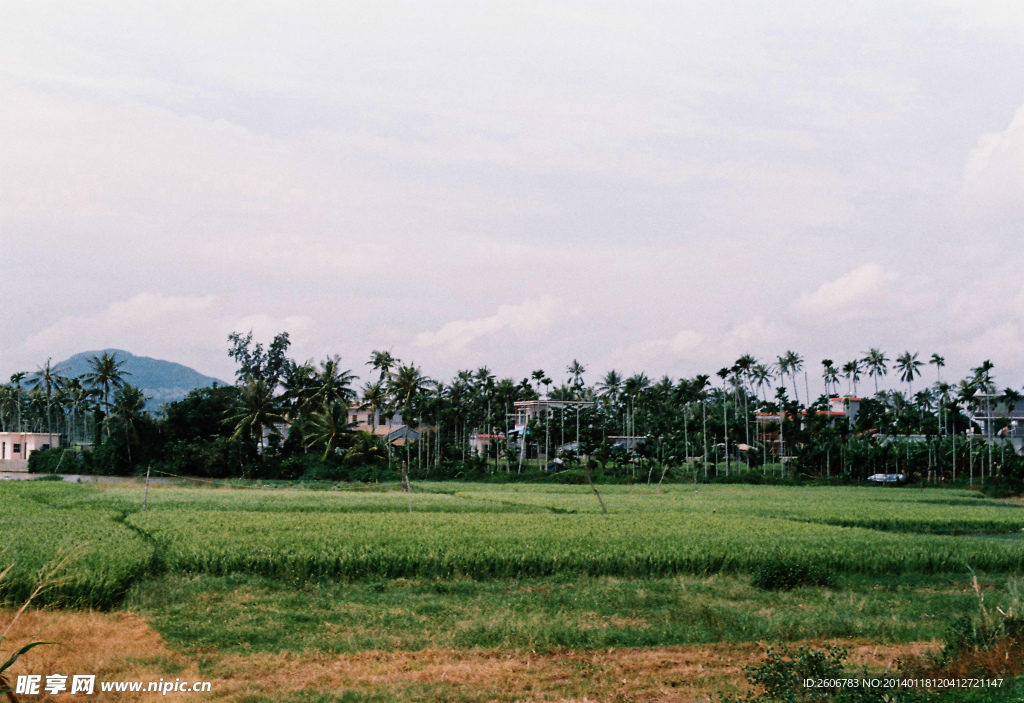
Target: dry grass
<point x="118" y="646"/>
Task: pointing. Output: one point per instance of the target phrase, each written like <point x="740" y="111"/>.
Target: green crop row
<point x="484" y="532"/>
<point x="101" y="557"/>
<point x="489" y="545"/>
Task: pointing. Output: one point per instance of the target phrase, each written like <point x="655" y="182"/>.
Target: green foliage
<point x="784" y="574"/>
<point x="65" y="461"/>
<point x="782" y="676"/>
<point x="200" y="415"/>
<point x="211" y="457"/>
<point x="985" y="629"/>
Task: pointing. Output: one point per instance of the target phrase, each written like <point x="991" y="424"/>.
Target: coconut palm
<point x="876" y="362"/>
<point x="77" y="396"/>
<point x="331" y="384"/>
<point x="328" y="427"/>
<point x="576" y="370"/>
<point x="299" y="382"/>
<point x="127" y="409"/>
<point x="376" y="396"/>
<point x="794" y="363"/>
<point x="382" y="361"/>
<point x="406" y="385"/>
<point x="106" y="375"/>
<point x="851" y="371"/>
<point x="761" y="376"/>
<point x="48" y="381"/>
<point x="16" y="379"/>
<point x="908" y="367"/>
<point x="257" y="409"/>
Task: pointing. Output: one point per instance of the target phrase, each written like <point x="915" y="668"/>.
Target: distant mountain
<point x="162" y="381"/>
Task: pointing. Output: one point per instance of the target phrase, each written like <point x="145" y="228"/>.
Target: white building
<point x="16" y="447"/>
<point x="481" y="443"/>
<point x="529" y="410"/>
<point x="999" y="419"/>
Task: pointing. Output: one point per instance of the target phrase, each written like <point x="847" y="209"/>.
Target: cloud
<point x="528" y="317"/>
<point x="121" y="320"/>
<point x="186" y="329"/>
<point x="994" y="172"/>
<point x="854" y="294"/>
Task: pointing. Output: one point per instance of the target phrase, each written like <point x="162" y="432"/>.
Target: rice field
<point x="487" y="532"/>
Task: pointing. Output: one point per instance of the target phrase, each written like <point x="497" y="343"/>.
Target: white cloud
<point x="187" y="329"/>
<point x="122" y="320"/>
<point x="994" y="172"/>
<point x="859" y="292"/>
<point x="528" y="317"/>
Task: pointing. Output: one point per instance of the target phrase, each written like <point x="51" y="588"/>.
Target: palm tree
<point x="700" y="386"/>
<point x="106" y="374"/>
<point x="406" y="385"/>
<point x="538" y="378"/>
<point x="908" y="367"/>
<point x="49" y="381"/>
<point x="723" y="374"/>
<point x="794" y="362"/>
<point x="375" y="395"/>
<point x="77" y="395"/>
<point x="876" y="362"/>
<point x="830" y="375"/>
<point x="983" y="380"/>
<point x="328" y="427"/>
<point x="127" y="407"/>
<point x="939" y="362"/>
<point x="331" y="384"/>
<point x="851" y="371"/>
<point x="16" y="379"/>
<point x="382" y="361"/>
<point x="761" y="375"/>
<point x="299" y="381"/>
<point x="257" y="409"/>
<point x="576" y="370"/>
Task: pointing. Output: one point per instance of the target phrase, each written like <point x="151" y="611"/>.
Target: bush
<point x="783" y="575"/>
<point x="51" y="461"/>
<point x="317" y="470"/>
<point x="216" y="457"/>
<point x="780" y="679"/>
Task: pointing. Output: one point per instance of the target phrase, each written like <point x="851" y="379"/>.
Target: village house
<point x="17" y="447"/>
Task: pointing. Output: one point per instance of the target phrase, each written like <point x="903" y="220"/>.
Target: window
<point x="16" y="449"/>
<point x="355" y="418"/>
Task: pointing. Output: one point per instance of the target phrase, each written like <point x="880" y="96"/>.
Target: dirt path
<point x="121" y="646"/>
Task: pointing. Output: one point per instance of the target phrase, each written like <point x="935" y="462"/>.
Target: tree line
<point x="752" y="421"/>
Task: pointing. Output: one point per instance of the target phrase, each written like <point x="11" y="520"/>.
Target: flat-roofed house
<point x="16" y="447"/>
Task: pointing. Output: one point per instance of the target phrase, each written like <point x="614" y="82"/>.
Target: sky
<point x="656" y="186"/>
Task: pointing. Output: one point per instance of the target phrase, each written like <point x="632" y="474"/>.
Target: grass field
<point x="247" y="571"/>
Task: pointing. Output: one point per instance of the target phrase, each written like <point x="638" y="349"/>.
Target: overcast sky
<point x="640" y="185"/>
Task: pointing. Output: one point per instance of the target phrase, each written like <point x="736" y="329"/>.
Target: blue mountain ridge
<point x="162" y="381"/>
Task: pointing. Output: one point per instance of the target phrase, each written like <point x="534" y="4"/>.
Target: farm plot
<point x="899" y="510"/>
<point x="503" y="545"/>
<point x="101" y="557"/>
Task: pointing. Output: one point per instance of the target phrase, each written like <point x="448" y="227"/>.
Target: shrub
<point x="780" y="679"/>
<point x="51" y="461"/>
<point x="784" y="574"/>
